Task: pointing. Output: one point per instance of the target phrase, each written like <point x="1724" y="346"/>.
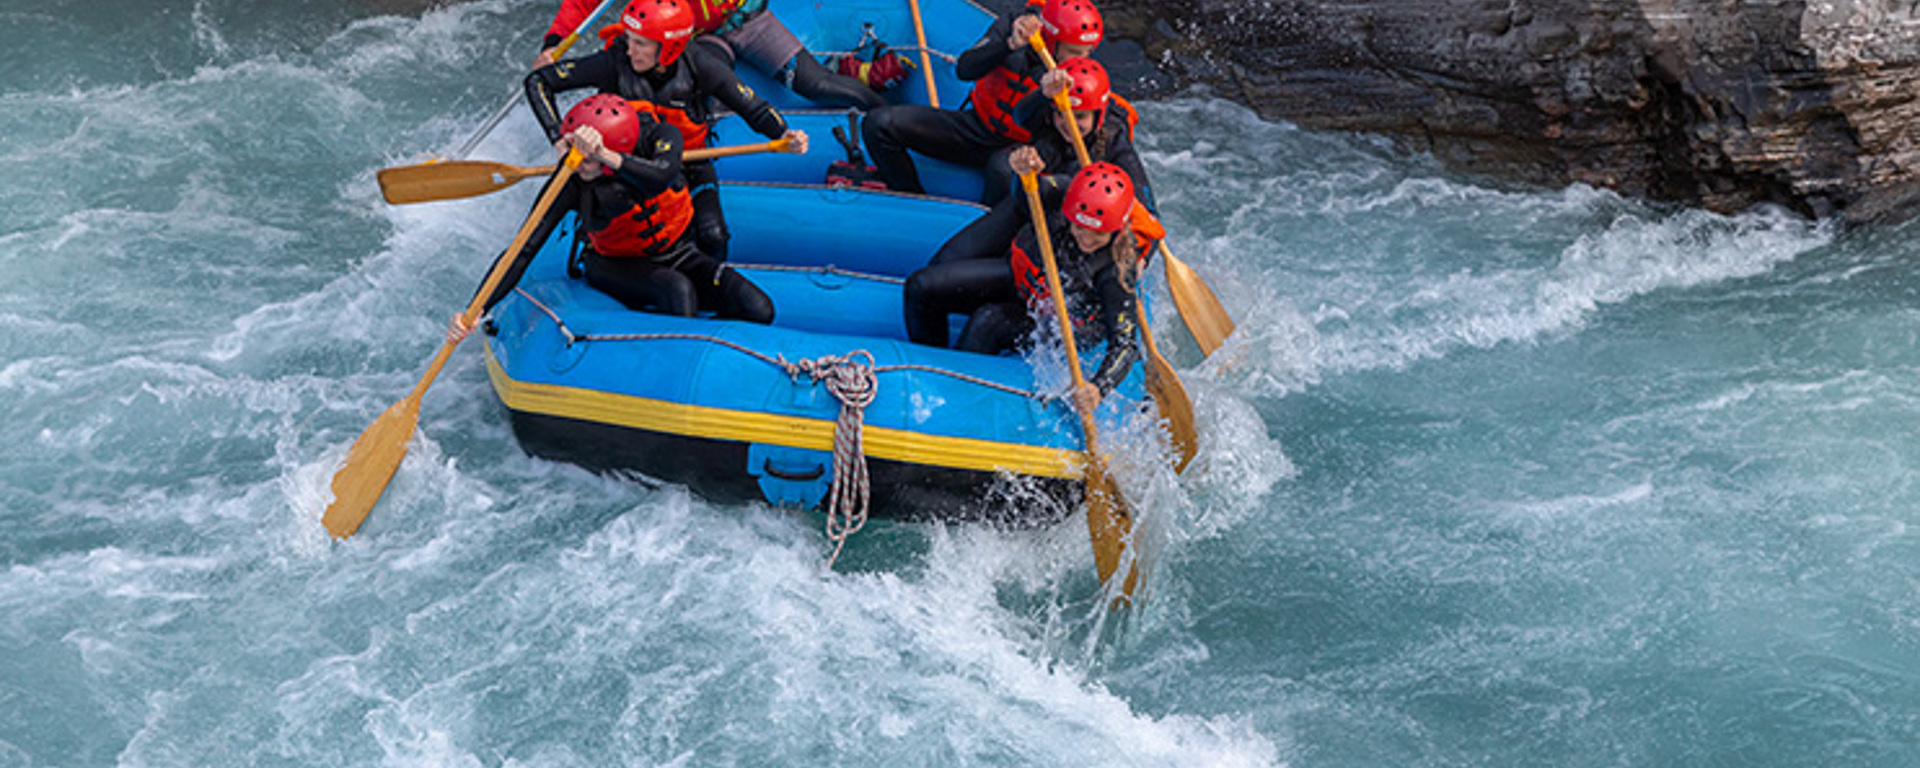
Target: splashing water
<point x="1487" y="476"/>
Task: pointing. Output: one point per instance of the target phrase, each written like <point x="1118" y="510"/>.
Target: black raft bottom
<point x="717" y="470"/>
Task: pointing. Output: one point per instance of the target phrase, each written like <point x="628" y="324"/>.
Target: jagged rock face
<point x="1807" y="103"/>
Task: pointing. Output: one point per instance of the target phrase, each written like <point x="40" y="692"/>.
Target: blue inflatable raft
<point x="739" y="411"/>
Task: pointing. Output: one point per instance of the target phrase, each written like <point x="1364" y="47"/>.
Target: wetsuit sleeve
<point x="991" y="52"/>
<point x="566" y="20"/>
<point x="562" y="205"/>
<point x="1116" y="319"/>
<point x="594" y="71"/>
<point x="655" y="166"/>
<point x="713" y="73"/>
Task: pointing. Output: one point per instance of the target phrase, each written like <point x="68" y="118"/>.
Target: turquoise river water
<point x="1489" y="476"/>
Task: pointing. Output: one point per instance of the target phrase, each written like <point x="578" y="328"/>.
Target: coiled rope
<point x="851" y="380"/>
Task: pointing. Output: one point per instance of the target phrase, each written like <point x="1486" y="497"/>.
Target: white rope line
<point x="864" y="191"/>
<point x="778" y="361"/>
<point x="826" y="270"/>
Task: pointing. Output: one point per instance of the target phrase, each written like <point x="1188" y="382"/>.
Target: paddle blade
<point x="370" y="465"/>
<point x="1205" y="318"/>
<point x="1175" y="407"/>
<point x="453" y="180"/>
<point x="1108" y="522"/>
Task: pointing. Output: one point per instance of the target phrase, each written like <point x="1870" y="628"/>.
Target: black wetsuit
<point x="678" y="279"/>
<point x="988" y="291"/>
<point x="989" y="235"/>
<point x="704" y="70"/>
<point x="956" y="136"/>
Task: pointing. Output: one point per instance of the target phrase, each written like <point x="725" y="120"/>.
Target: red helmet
<point x="1071" y="21"/>
<point x="1090" y="87"/>
<point x="667" y="22"/>
<point x="1100" y="198"/>
<point x="612" y="116"/>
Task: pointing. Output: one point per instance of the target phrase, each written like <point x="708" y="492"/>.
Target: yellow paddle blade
<point x="1176" y="408"/>
<point x="1108" y="522"/>
<point x="428" y="182"/>
<point x="370" y="466"/>
<point x="376" y="455"/>
<point x="1171" y="395"/>
<point x="1205" y="318"/>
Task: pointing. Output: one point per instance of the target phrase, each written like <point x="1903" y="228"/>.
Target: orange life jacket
<point x="1133" y="115"/>
<point x="648" y="227"/>
<point x="995" y="95"/>
<point x="1030" y="278"/>
<point x="693" y="133"/>
<point x="1146" y="229"/>
<point x="994" y="98"/>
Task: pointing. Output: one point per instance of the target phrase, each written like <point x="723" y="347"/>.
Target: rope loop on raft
<point x="850" y="378"/>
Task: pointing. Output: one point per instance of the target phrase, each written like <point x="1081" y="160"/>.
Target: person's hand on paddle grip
<point x="1055" y="81"/>
<point x="1024" y="28"/>
<point x="458" y="329"/>
<point x="1086" y="397"/>
<point x="1026" y="160"/>
<point x="797" y="141"/>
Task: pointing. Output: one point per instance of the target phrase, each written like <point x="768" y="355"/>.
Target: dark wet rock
<point x="1705" y="102"/>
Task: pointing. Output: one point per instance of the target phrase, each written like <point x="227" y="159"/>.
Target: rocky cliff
<point x="1812" y="104"/>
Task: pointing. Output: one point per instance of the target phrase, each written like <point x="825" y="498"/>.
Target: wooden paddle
<point x="1162" y="381"/>
<point x="1108" y="519"/>
<point x="376" y="455"/>
<point x="1199" y="308"/>
<point x="452" y="180"/>
<point x="518" y="96"/>
<point x="926" y="63"/>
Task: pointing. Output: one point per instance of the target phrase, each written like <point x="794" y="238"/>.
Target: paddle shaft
<point x="376" y="455"/>
<point x="926" y="62"/>
<point x="521" y="172"/>
<point x="501" y="113"/>
<point x="1107" y="520"/>
<point x="451" y="180"/>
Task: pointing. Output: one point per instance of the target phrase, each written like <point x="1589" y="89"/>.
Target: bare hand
<point x="1023" y="29"/>
<point x="1026" y="160"/>
<point x="1086" y="397"/>
<point x="1055" y="81"/>
<point x="592" y="147"/>
<point x="587" y="139"/>
<point x="546" y="57"/>
<point x="796" y="141"/>
<point x="458" y="329"/>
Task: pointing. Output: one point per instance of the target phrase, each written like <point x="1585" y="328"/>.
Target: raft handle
<point x="799" y="477"/>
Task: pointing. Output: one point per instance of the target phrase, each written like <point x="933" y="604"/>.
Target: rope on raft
<point x="852" y="379"/>
<point x="778" y="361"/>
<point x="852" y="382"/>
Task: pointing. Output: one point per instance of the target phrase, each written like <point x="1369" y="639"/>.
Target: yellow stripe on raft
<point x="775" y="429"/>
